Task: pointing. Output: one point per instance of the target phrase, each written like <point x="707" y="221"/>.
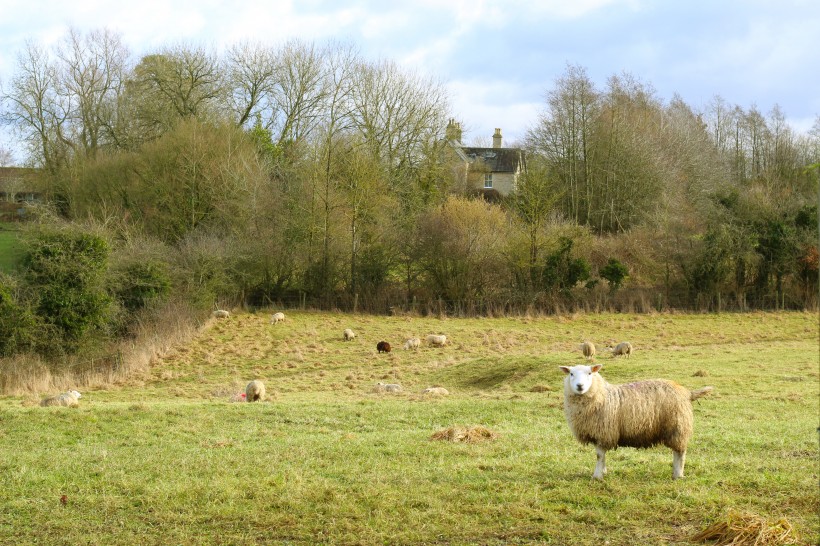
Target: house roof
<point x="498" y="160"/>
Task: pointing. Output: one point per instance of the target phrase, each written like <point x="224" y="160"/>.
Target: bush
<point x="65" y="270"/>
<point x="615" y="273"/>
<point x="140" y="283"/>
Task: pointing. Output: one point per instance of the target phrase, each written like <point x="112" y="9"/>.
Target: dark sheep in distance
<point x="383" y="347"/>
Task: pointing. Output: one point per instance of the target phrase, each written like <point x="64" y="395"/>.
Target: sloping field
<point x="169" y="458"/>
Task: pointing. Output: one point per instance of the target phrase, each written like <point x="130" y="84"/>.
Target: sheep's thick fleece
<point x="640" y="414"/>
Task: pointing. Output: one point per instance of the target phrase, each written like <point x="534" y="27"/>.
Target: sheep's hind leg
<point x="600" y="466"/>
<point x="678" y="461"/>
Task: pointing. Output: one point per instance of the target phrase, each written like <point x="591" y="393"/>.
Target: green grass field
<point x="9" y="247"/>
<point x="167" y="458"/>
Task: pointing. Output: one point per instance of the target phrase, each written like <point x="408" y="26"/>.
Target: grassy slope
<point x="168" y="459"/>
<point x="9" y="248"/>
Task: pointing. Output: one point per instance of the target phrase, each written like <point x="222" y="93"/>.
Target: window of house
<point x="488" y="180"/>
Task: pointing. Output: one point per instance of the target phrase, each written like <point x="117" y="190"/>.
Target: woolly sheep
<point x="277" y="317"/>
<point x="435" y="390"/>
<point x="67" y="399"/>
<point x="641" y="414"/>
<point x="412" y="343"/>
<point x="387" y="387"/>
<point x="348" y="334"/>
<point x="621" y="349"/>
<point x="383" y="347"/>
<point x="588" y="348"/>
<point x="255" y="391"/>
<point x="221" y="313"/>
<point x="437" y="340"/>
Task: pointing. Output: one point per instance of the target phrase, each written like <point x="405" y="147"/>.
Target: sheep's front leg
<point x="678" y="460"/>
<point x="600" y="467"/>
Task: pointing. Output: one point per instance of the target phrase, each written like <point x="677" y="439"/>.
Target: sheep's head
<point x="579" y="378"/>
<point x="75" y="394"/>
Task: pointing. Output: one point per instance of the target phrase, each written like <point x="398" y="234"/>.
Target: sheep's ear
<point x="564" y="369"/>
<point x="597" y="367"/>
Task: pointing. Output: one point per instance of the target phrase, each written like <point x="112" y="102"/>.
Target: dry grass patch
<point x="471" y="435"/>
<point x="738" y="529"/>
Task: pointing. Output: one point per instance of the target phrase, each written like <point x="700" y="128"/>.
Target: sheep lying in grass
<point x="277" y="317"/>
<point x="588" y="348"/>
<point x="383" y="347"/>
<point x="641" y="414"/>
<point x="437" y="340"/>
<point x="68" y="399"/>
<point x="221" y="313"/>
<point x="348" y="334"/>
<point x="255" y="391"/>
<point x="387" y="387"/>
<point x="435" y="390"/>
<point x="412" y="343"/>
<point x="621" y="349"/>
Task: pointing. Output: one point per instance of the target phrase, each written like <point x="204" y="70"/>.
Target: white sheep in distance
<point x="277" y="317"/>
<point x="348" y="334"/>
<point x="621" y="349"/>
<point x="255" y="391"/>
<point x="221" y="313"/>
<point x="588" y="348"/>
<point x="412" y="343"/>
<point x="640" y="414"/>
<point x="437" y="340"/>
<point x="68" y="399"/>
<point x="435" y="390"/>
<point x="387" y="387"/>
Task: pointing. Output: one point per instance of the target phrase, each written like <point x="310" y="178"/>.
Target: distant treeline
<point x="305" y="175"/>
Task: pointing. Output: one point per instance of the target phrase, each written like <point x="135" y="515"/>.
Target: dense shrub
<point x="64" y="269"/>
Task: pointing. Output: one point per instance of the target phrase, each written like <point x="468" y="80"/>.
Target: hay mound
<point x="541" y="388"/>
<point x="738" y="529"/>
<point x="465" y="434"/>
<point x="701" y="373"/>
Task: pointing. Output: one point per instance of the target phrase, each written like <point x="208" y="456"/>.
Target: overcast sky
<point x="496" y="58"/>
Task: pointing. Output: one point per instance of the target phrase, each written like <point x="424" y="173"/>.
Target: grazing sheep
<point x="221" y="313"/>
<point x="412" y="343"/>
<point x="277" y="317"/>
<point x="641" y="414"/>
<point x="383" y="347"/>
<point x="588" y="348"/>
<point x="437" y="340"/>
<point x="255" y="391"/>
<point x="68" y="399"/>
<point x="621" y="349"/>
<point x="435" y="390"/>
<point x="348" y="334"/>
<point x="387" y="387"/>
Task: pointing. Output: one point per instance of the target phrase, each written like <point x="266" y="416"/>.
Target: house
<point x="488" y="170"/>
<point x="18" y="188"/>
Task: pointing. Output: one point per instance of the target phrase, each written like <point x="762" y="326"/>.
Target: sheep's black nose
<point x="579" y="388"/>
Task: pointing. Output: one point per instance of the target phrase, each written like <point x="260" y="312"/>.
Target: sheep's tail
<point x="694" y="395"/>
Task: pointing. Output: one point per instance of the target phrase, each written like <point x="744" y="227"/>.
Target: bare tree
<point x="91" y="78"/>
<point x="397" y="113"/>
<point x="564" y="135"/>
<point x="251" y="74"/>
<point x="177" y="83"/>
<point x="34" y="107"/>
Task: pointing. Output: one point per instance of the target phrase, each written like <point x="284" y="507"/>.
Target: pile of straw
<point x="464" y="434"/>
<point x="738" y="529"/>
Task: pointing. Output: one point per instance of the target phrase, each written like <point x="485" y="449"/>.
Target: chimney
<point x="497" y="138"/>
<point x="453" y="131"/>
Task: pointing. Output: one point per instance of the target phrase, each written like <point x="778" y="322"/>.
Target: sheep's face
<point x="76" y="394"/>
<point x="579" y="378"/>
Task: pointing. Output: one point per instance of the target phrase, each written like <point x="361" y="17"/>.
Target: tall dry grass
<point x="154" y="332"/>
